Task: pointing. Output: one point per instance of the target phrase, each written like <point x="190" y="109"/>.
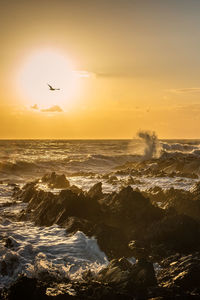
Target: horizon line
<point x="89" y="139"/>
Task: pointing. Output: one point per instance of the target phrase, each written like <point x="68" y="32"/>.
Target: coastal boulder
<point x="181" y="272"/>
<point x="137" y="277"/>
<point x="54" y="180"/>
<point x="95" y="192"/>
<point x="175" y="233"/>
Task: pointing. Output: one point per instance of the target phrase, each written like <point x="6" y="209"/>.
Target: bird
<point x="51" y="88"/>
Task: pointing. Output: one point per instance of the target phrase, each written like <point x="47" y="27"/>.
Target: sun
<point x="43" y="68"/>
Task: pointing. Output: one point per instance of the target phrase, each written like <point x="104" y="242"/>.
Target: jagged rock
<point x="126" y="276"/>
<point x="131" y="210"/>
<point x="26" y="193"/>
<point x="112" y="240"/>
<point x="56" y="181"/>
<point x="117" y="272"/>
<point x="8" y="263"/>
<point x="176" y="233"/>
<point x="27" y="288"/>
<point x="45" y="208"/>
<point x="188" y="206"/>
<point x="182" y="272"/>
<point x="74" y="224"/>
<point x="95" y="192"/>
<point x="112" y="179"/>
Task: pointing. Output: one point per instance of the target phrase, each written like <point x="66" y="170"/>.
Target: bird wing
<point x="50" y="86"/>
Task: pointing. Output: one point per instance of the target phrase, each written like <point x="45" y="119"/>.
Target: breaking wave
<point x="179" y="147"/>
<point x="46" y="251"/>
<point x="151" y="144"/>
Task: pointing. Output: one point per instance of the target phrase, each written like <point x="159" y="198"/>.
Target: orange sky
<point x="121" y="66"/>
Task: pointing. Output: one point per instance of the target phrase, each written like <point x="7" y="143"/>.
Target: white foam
<point x="46" y="251"/>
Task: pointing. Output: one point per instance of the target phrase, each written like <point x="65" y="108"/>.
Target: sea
<point x="40" y="250"/>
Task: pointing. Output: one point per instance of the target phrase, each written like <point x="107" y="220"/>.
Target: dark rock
<point x="45" y="208"/>
<point x="176" y="233"/>
<point x="26" y="288"/>
<point x="74" y="224"/>
<point x="138" y="250"/>
<point x="26" y="193"/>
<point x="131" y="211"/>
<point x="8" y="264"/>
<point x="128" y="277"/>
<point x="10" y="242"/>
<point x="112" y="240"/>
<point x="181" y="272"/>
<point x="56" y="181"/>
<point x="95" y="192"/>
<point x="143" y="274"/>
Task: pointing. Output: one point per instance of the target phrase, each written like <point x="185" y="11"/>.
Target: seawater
<point x="51" y="251"/>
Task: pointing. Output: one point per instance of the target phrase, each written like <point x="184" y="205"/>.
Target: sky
<point x="121" y="66"/>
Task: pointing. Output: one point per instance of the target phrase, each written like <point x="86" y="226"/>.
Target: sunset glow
<point x="120" y="66"/>
<point x="43" y="68"/>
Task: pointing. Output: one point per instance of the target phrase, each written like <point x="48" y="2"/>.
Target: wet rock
<point x="185" y="203"/>
<point x="117" y="272"/>
<point x="195" y="189"/>
<point x="181" y="272"/>
<point x="26" y="193"/>
<point x="74" y="224"/>
<point x="45" y="208"/>
<point x="55" y="181"/>
<point x="112" y="240"/>
<point x="175" y="233"/>
<point x="143" y="274"/>
<point x="95" y="192"/>
<point x="128" y="277"/>
<point x="131" y="210"/>
<point x="10" y="243"/>
<point x="138" y="250"/>
<point x="112" y="179"/>
<point x="27" y="288"/>
<point x="9" y="263"/>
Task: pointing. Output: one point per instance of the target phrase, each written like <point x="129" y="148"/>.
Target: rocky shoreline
<point x="155" y="226"/>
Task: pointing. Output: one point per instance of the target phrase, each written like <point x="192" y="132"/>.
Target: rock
<point x="112" y="240"/>
<point x="128" y="277"/>
<point x="95" y="192"/>
<point x="195" y="189"/>
<point x="27" y="288"/>
<point x="143" y="275"/>
<point x="176" y="233"/>
<point x="117" y="272"/>
<point x="9" y="263"/>
<point x="131" y="210"/>
<point x="10" y="243"/>
<point x="56" y="181"/>
<point x="74" y="224"/>
<point x="46" y="208"/>
<point x="112" y="179"/>
<point x="181" y="272"/>
<point x="26" y="193"/>
<point x="138" y="250"/>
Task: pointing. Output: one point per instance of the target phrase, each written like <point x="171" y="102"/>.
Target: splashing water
<point x="150" y="140"/>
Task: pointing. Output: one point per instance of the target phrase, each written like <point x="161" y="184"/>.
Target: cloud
<point x="84" y="74"/>
<point x="108" y="74"/>
<point x="35" y="106"/>
<point x="115" y="75"/>
<point x="185" y="90"/>
<point x="54" y="108"/>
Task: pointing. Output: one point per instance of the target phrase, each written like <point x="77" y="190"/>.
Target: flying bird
<point x="51" y="88"/>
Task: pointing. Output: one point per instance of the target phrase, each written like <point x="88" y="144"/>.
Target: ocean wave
<point x="73" y="163"/>
<point x="37" y="251"/>
<point x="8" y="166"/>
<point x="179" y="147"/>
